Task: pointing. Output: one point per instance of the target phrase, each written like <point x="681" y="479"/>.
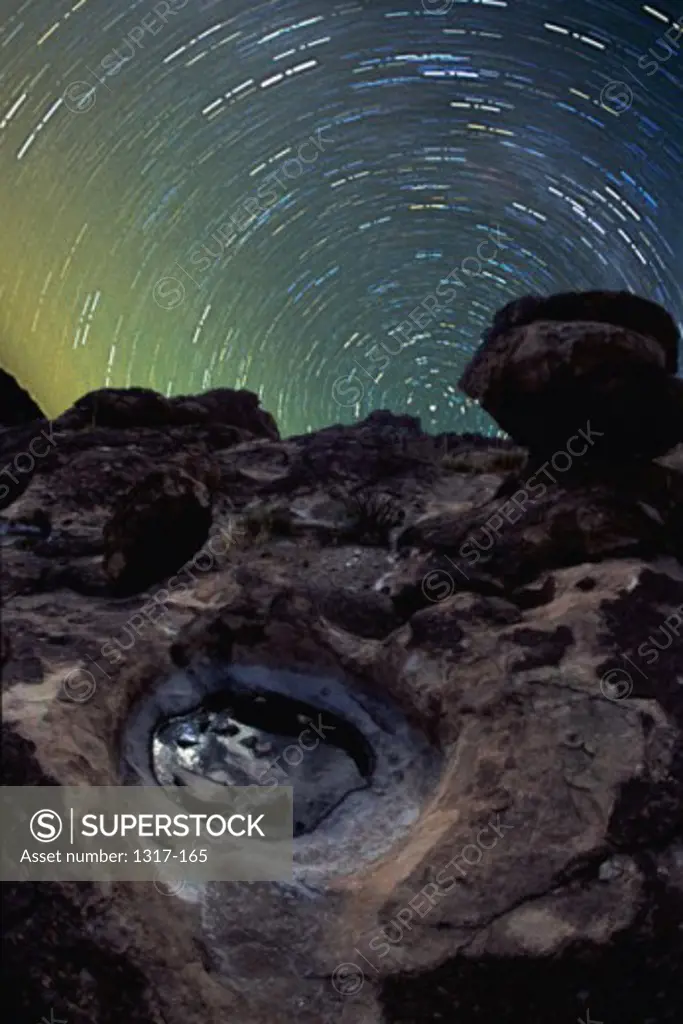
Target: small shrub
<point x="373" y="516"/>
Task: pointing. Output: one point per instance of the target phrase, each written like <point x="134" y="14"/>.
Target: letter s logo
<point x="45" y="826"/>
<point x="348" y="391"/>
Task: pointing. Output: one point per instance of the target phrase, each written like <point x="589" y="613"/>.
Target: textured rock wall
<point x="522" y="608"/>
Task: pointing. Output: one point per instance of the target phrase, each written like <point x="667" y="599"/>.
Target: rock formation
<point x="618" y="309"/>
<point x="155" y="529"/>
<point x="16" y="405"/>
<point x="519" y="605"/>
<point x="144" y="408"/>
<point x="608" y="358"/>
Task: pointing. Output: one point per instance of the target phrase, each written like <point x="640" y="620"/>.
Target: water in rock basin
<point x="359" y="771"/>
<point x="360" y="774"/>
<point x="267" y="740"/>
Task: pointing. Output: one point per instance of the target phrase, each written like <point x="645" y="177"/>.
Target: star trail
<point x="323" y="201"/>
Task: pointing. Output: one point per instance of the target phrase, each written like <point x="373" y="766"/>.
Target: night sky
<point x="205" y="193"/>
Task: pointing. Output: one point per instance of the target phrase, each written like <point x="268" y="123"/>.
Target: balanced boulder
<point x="544" y="379"/>
<point x="620" y="309"/>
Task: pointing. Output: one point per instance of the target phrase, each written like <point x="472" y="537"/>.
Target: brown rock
<point x="505" y="545"/>
<point x="545" y="382"/>
<point x="542" y="836"/>
<point x="620" y="309"/>
<point x="155" y="528"/>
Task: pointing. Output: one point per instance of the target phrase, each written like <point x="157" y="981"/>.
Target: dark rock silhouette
<point x="16" y="405"/>
<point x="620" y="309"/>
<point x="133" y="408"/>
<point x="542" y="378"/>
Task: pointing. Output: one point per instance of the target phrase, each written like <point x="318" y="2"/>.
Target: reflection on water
<point x="267" y="740"/>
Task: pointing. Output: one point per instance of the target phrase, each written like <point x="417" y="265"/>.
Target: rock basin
<point x="360" y="774"/>
<point x="359" y="771"/>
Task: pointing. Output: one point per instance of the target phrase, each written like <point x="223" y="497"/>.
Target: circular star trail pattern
<point x="199" y="194"/>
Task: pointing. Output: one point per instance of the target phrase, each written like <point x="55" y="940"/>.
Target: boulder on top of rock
<point x="544" y="382"/>
<point x="128" y="408"/>
<point x="154" y="529"/>
<point x="620" y="309"/>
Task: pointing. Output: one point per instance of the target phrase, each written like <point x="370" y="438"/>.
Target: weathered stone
<point x="155" y="529"/>
<point x="550" y="384"/>
<point x="620" y="309"/>
<point x="503" y="547"/>
<point x="545" y="677"/>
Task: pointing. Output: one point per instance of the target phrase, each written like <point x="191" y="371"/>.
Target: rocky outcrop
<point x="132" y="433"/>
<point x="537" y="522"/>
<point x="618" y="309"/>
<point x="16" y="405"/>
<point x="134" y="408"/>
<point x="524" y="617"/>
<point x="155" y="529"/>
<point x="541" y="374"/>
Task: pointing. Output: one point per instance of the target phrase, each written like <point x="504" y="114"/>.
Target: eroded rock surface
<point x="540" y="875"/>
<point x="546" y="366"/>
<point x="620" y="309"/>
<point x="155" y="529"/>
